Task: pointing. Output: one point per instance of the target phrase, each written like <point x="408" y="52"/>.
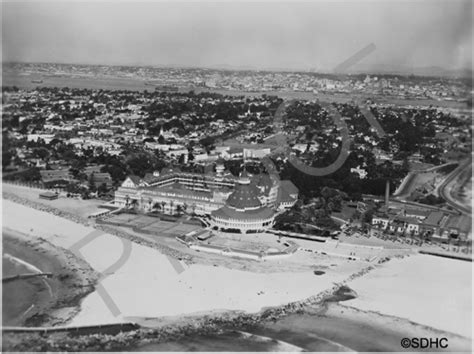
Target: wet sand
<point x="353" y="329"/>
<point x="41" y="301"/>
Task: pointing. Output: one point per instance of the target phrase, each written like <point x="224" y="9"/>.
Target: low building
<point x="48" y="195"/>
<point x="100" y="179"/>
<point x="56" y="177"/>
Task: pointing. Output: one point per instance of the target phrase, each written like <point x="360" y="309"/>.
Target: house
<point x="255" y="153"/>
<point x="56" y="177"/>
<point x="432" y="224"/>
<point x="380" y="220"/>
<point x="415" y="213"/>
<point x="458" y="227"/>
<point x="411" y="225"/>
<point x="360" y="171"/>
<point x="233" y="153"/>
<point x="48" y="195"/>
<point x="92" y="169"/>
<point x="101" y="178"/>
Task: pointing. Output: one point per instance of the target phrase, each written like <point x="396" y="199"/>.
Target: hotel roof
<point x="225" y="212"/>
<point x="244" y="196"/>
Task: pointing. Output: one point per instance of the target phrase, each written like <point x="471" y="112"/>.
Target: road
<point x="446" y="188"/>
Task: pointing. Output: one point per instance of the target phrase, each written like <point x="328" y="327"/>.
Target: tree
<point x="102" y="189"/>
<point x="149" y="203"/>
<point x="6" y="158"/>
<point x="368" y="215"/>
<point x="41" y="153"/>
<point x="91" y="184"/>
<point x="207" y="142"/>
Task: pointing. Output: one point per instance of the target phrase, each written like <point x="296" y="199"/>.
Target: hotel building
<point x="245" y="203"/>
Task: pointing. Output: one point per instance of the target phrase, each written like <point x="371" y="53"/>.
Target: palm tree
<point x="163" y="204"/>
<point x="412" y="235"/>
<point x="149" y="203"/>
<point x="127" y="200"/>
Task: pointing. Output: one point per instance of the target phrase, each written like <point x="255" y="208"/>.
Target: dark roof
<point x="263" y="180"/>
<point x="417" y="212"/>
<point x="407" y="219"/>
<point x="48" y="194"/>
<point x="434" y="218"/>
<point x="101" y="177"/>
<point x="235" y="150"/>
<point x="92" y="169"/>
<point x="461" y="222"/>
<point x="229" y="213"/>
<point x="284" y="196"/>
<point x="150" y="178"/>
<point x="169" y="170"/>
<point x="288" y="187"/>
<point x="244" y="196"/>
<point x="55" y="175"/>
<point x="135" y="179"/>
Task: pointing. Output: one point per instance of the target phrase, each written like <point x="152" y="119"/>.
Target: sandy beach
<point x="429" y="290"/>
<point x="153" y="291"/>
<point x="148" y="285"/>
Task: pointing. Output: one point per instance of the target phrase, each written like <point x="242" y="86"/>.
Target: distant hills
<point x="435" y="71"/>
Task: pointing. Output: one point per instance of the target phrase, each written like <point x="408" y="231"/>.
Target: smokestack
<point x="387" y="193"/>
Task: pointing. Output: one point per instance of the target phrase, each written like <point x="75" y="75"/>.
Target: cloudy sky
<point x="312" y="34"/>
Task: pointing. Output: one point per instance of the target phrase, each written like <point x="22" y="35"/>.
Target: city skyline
<point x="272" y="36"/>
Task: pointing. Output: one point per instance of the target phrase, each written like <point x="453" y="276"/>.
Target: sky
<point x="306" y="35"/>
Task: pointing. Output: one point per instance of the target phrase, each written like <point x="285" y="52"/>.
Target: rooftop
<point x="244" y="197"/>
<point x="257" y="214"/>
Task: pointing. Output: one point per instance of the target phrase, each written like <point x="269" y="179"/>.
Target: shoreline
<point x="85" y="222"/>
<point x="168" y="328"/>
<point x="73" y="279"/>
<point x="322" y="308"/>
<point x="139" y="85"/>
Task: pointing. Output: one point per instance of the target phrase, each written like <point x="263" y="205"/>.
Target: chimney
<point x="387" y="193"/>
